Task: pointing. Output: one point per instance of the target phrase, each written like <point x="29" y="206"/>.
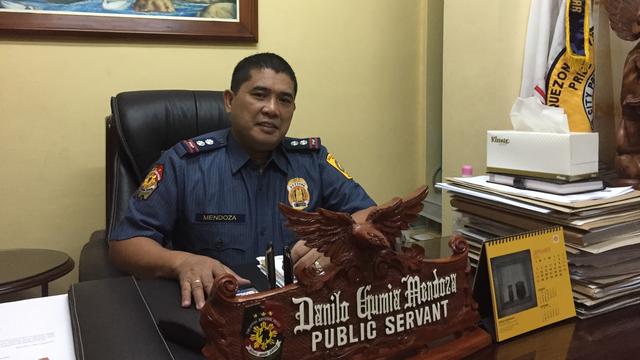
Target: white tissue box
<point x="567" y="157"/>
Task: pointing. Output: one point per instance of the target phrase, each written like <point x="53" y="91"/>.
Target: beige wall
<point x="483" y="46"/>
<point x="482" y="62"/>
<point x="360" y="68"/>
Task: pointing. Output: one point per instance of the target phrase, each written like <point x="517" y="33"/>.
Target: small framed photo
<point x="513" y="283"/>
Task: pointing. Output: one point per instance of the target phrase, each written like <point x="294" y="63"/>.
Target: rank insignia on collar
<point x="298" y="193"/>
<point x="150" y="183"/>
<point x="199" y="145"/>
<point x="305" y="144"/>
<point x="333" y="162"/>
<point x="191" y="146"/>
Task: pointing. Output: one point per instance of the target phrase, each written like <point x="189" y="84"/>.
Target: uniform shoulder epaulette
<point x="309" y="144"/>
<point x="199" y="144"/>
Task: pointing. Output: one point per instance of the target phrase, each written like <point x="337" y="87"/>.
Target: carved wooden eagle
<point x="337" y="235"/>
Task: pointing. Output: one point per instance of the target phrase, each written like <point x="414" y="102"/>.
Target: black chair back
<point x="141" y="126"/>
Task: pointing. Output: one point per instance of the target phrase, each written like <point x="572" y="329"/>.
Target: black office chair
<point x="142" y="124"/>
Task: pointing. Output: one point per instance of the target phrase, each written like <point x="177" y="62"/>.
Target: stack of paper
<point x="601" y="229"/>
<point x="36" y="329"/>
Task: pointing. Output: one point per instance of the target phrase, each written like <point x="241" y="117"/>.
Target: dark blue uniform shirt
<point x="206" y="196"/>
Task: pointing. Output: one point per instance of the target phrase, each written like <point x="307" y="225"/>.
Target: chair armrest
<point x="94" y="261"/>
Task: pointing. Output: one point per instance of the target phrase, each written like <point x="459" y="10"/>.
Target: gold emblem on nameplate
<point x="298" y="193"/>
<point x="263" y="338"/>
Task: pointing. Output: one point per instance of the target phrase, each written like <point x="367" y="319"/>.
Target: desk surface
<point x="26" y="268"/>
<point x="610" y="336"/>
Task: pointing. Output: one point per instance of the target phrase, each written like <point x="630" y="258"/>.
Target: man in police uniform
<point x="210" y="202"/>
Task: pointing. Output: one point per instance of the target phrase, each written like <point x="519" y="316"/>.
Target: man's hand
<point x="303" y="257"/>
<point x="196" y="275"/>
<point x="145" y="258"/>
<point x="360" y="216"/>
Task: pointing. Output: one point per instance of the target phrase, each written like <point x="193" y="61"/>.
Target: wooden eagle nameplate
<point x="370" y="302"/>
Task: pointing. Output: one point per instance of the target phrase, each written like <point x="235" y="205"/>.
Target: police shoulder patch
<point x="312" y="143"/>
<point x="150" y="183"/>
<point x="334" y="162"/>
<point x="199" y="144"/>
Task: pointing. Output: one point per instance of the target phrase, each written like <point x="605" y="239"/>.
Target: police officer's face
<point x="261" y="110"/>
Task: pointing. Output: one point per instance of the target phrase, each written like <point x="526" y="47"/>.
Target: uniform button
<point x="218" y="245"/>
<point x="262" y="231"/>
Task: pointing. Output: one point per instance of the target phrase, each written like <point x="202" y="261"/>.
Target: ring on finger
<point x="317" y="266"/>
<point x="197" y="282"/>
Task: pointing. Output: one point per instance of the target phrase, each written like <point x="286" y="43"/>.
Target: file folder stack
<point x="601" y="231"/>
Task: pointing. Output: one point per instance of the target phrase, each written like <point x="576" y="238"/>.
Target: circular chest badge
<point x="298" y="193"/>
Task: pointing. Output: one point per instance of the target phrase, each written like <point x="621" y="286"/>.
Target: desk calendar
<point x="523" y="282"/>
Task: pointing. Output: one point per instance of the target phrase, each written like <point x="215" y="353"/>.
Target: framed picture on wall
<point x="227" y="20"/>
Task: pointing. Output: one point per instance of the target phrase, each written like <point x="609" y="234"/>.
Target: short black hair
<point x="242" y="71"/>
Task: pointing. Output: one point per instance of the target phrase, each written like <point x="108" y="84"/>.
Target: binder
<point x="578" y="235"/>
<point x="111" y="320"/>
<point x="523" y="282"/>
<point x="547" y="185"/>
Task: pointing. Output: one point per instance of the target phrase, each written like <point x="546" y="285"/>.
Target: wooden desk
<point x="610" y="336"/>
<point x="26" y="268"/>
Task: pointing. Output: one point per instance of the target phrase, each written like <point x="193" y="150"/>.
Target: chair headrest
<point x="149" y="122"/>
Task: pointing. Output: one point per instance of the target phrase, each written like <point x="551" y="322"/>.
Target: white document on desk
<point x="607" y="193"/>
<point x="491" y="197"/>
<point x="279" y="263"/>
<point x="36" y="329"/>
